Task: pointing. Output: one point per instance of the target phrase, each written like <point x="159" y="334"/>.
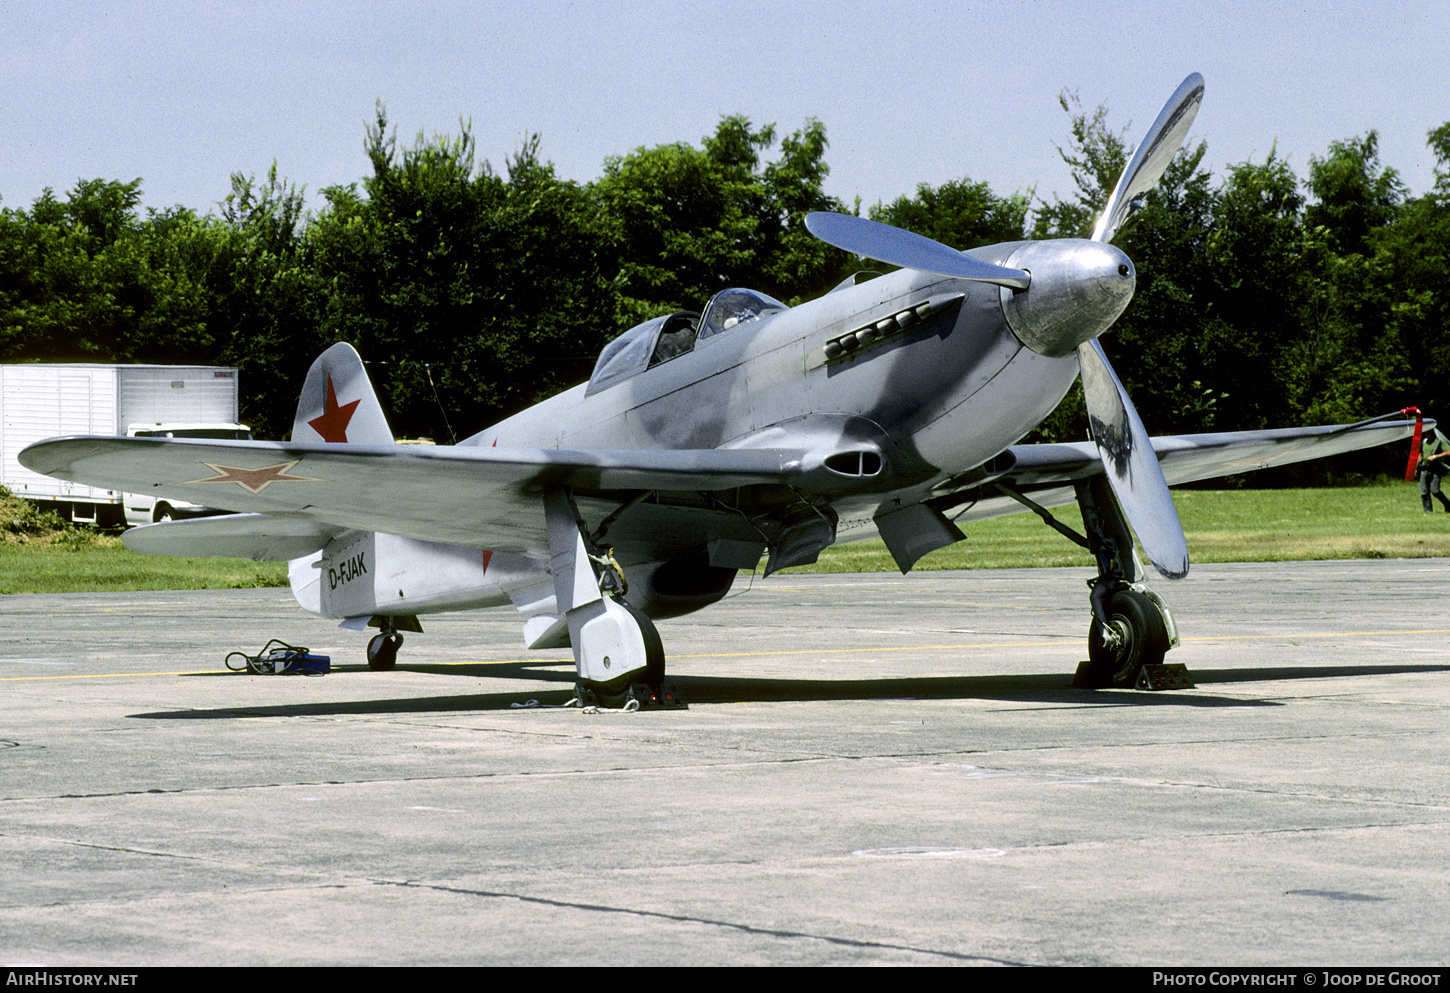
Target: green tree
<point x="693" y="221"/>
<point x="1162" y="346"/>
<point x="798" y="265"/>
<point x="959" y="213"/>
<point x="1405" y="277"/>
<point x="471" y="295"/>
<point x="87" y="279"/>
<point x="1253" y="264"/>
<point x="1353" y="194"/>
<point x="264" y="293"/>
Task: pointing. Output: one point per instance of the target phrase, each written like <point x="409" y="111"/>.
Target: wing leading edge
<point x="482" y="497"/>
<point x="1047" y="472"/>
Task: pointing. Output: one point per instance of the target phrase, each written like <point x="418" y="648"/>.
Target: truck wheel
<point x="162" y="513"/>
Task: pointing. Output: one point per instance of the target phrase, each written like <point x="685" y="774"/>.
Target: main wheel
<point x="615" y="693"/>
<point x="1141" y="639"/>
<point x="654" y="648"/>
<point x="383" y="651"/>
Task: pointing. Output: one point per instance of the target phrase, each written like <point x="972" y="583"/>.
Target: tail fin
<point x="338" y="403"/>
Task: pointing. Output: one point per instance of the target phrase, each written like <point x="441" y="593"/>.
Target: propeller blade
<point x="1132" y="467"/>
<point x="1159" y="146"/>
<point x="862" y="236"/>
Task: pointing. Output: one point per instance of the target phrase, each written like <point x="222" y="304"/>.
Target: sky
<point x="184" y="94"/>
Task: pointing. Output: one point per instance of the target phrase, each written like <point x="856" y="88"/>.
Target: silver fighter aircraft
<point x="704" y="442"/>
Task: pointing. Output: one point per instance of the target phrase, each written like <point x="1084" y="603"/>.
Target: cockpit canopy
<point x="663" y="338"/>
<point x="729" y="308"/>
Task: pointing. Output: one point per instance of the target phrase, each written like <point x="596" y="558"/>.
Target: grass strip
<point x="41" y="554"/>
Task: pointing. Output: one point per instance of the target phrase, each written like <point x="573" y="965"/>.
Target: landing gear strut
<point x="1131" y="626"/>
<point x="1131" y="629"/>
<point x="618" y="654"/>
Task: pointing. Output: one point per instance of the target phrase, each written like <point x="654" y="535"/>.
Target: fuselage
<point x="935" y="394"/>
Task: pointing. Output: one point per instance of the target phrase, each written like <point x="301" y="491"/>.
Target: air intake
<point x="862" y="463"/>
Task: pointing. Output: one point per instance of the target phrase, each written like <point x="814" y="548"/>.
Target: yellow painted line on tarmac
<point x="1062" y="642"/>
<point x="106" y="675"/>
<point x="884" y="648"/>
<point x="1322" y="634"/>
<point x="1044" y="644"/>
<point x="237" y="672"/>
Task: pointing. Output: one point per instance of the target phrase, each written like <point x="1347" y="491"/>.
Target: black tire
<point x="162" y="513"/>
<point x="1144" y="640"/>
<point x="383" y="651"/>
<point x="654" y="648"/>
<point x="612" y="695"/>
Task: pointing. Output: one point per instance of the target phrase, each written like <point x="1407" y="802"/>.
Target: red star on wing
<point x="332" y="425"/>
<point x="255" y="480"/>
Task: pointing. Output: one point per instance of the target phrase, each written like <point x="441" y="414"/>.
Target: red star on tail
<point x="332" y="425"/>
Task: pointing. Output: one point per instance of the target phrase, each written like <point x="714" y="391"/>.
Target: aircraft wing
<point x="483" y="497"/>
<point x="295" y="497"/>
<point x="1046" y="472"/>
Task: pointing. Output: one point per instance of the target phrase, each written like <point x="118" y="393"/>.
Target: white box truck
<point x="40" y="401"/>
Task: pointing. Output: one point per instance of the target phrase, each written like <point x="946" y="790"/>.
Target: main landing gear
<point x="1134" y="636"/>
<point x="621" y="659"/>
<point x="618" y="654"/>
<point x="1131" y="628"/>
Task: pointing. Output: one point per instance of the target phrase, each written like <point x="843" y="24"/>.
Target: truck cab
<point x="143" y="509"/>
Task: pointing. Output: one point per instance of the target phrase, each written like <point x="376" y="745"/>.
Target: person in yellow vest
<point x="1433" y="451"/>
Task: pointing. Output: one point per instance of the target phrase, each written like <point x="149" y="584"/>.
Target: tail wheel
<point x="1138" y="638"/>
<point x="383" y="651"/>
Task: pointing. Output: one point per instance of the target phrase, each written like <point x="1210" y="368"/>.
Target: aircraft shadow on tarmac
<point x="1044" y="688"/>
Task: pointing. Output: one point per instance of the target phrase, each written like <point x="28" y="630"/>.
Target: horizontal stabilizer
<point x="258" y="537"/>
